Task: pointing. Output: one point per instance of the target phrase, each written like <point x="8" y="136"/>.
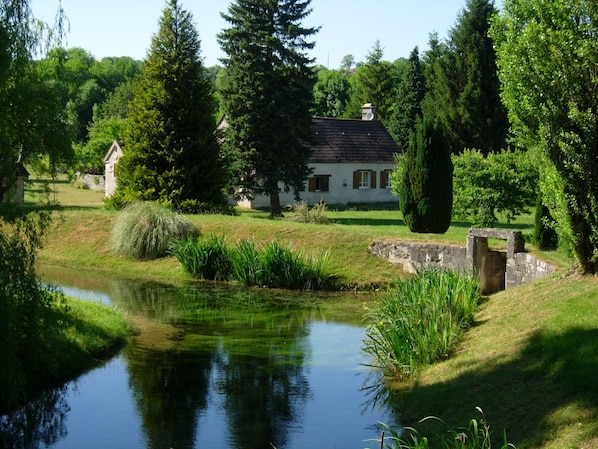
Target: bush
<point x="421" y="320"/>
<point x="146" y="230"/>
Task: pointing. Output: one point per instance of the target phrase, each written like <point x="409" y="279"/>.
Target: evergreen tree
<point x="171" y="154"/>
<point x="373" y="83"/>
<point x="267" y="96"/>
<point x="426" y="190"/>
<point x="407" y="109"/>
<point x="463" y="86"/>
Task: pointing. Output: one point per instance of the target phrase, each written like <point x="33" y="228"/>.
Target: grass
<point x="530" y="359"/>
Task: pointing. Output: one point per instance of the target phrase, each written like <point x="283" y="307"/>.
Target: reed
<point x="420" y="321"/>
<point x="205" y="258"/>
<point x="146" y="230"/>
<point x="272" y="265"/>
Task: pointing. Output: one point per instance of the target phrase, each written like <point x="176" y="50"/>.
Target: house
<point x="351" y="162"/>
<point x="111" y="162"/>
<point x="16" y="191"/>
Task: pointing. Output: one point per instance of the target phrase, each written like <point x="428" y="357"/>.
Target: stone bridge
<point x="497" y="270"/>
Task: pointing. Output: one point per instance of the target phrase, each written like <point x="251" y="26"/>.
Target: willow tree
<point x="266" y="95"/>
<point x="171" y="154"/>
<point x="548" y="61"/>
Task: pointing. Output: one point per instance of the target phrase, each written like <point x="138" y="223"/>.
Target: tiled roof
<point x="352" y="141"/>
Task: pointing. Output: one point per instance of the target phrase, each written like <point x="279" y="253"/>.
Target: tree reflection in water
<point x="40" y="421"/>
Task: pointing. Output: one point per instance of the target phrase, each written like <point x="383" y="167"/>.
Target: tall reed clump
<point x="273" y="265"/>
<point x="204" y="259"/>
<point x="421" y="320"/>
<point x="146" y="230"/>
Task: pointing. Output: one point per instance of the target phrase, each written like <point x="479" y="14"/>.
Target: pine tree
<point x="267" y="96"/>
<point x="426" y="190"/>
<point x="463" y="86"/>
<point x="407" y="109"/>
<point x="171" y="154"/>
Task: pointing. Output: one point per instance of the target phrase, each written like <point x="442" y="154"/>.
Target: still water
<point x="214" y="367"/>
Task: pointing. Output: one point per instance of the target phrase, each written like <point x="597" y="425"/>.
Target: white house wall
<point x="340" y="188"/>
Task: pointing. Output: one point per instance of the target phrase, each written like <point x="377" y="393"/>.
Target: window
<point x="385" y="179"/>
<point x="319" y="183"/>
<point x="364" y="179"/>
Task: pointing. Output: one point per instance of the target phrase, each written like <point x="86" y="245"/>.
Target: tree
<point x="548" y="62"/>
<point x="499" y="183"/>
<point x="426" y="190"/>
<point x="266" y="95"/>
<point x="32" y="122"/>
<point x="332" y="92"/>
<point x="171" y="154"/>
<point x="463" y="86"/>
<point x="407" y="108"/>
<point x="373" y="83"/>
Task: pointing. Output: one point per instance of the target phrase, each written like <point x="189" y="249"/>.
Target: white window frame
<point x="365" y="179"/>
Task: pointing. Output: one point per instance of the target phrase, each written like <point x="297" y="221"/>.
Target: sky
<point x="348" y="27"/>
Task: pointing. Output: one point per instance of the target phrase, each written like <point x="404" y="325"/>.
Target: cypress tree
<point x="426" y="190"/>
<point x="267" y="93"/>
<point x="171" y="154"/>
<point x="544" y="236"/>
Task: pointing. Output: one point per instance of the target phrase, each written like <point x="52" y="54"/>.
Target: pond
<point x="213" y="366"/>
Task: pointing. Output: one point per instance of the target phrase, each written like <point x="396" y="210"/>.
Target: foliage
<point x="267" y="92"/>
<point x="476" y="435"/>
<point x="420" y="321"/>
<point x="32" y="123"/>
<point x="373" y="82"/>
<point x="332" y="92"/>
<point x="548" y="59"/>
<point x="204" y="259"/>
<point x="544" y="235"/>
<point x="407" y="110"/>
<point x="146" y="230"/>
<point x="502" y="183"/>
<point x="462" y="82"/>
<point x="26" y="308"/>
<point x="426" y="188"/>
<point x="171" y="152"/>
<point x="273" y="265"/>
<point x="101" y="135"/>
<point x="315" y="215"/>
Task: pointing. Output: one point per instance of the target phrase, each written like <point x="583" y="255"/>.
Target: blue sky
<point x="125" y="27"/>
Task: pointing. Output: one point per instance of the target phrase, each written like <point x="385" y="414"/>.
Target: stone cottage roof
<point x="352" y="141"/>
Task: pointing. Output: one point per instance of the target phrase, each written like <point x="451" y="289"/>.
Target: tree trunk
<point x="275" y="209"/>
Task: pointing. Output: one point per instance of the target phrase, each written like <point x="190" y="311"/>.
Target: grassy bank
<point x="529" y="362"/>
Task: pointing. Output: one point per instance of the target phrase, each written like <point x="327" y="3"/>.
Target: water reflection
<point x="217" y="366"/>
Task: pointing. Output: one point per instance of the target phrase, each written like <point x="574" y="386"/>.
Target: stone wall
<point x="92" y="182"/>
<point x="497" y="269"/>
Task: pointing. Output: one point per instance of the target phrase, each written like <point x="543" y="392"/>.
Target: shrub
<point x="146" y="230"/>
<point x="421" y="320"/>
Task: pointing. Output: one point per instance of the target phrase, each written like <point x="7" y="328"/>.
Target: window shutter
<point x="114" y="169"/>
<point x="383" y="179"/>
<point x="312" y="184"/>
<point x="373" y="179"/>
<point x="355" y="179"/>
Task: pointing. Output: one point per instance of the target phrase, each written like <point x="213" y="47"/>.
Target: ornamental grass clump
<point x="314" y="215"/>
<point x="146" y="230"/>
<point x="421" y="320"/>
